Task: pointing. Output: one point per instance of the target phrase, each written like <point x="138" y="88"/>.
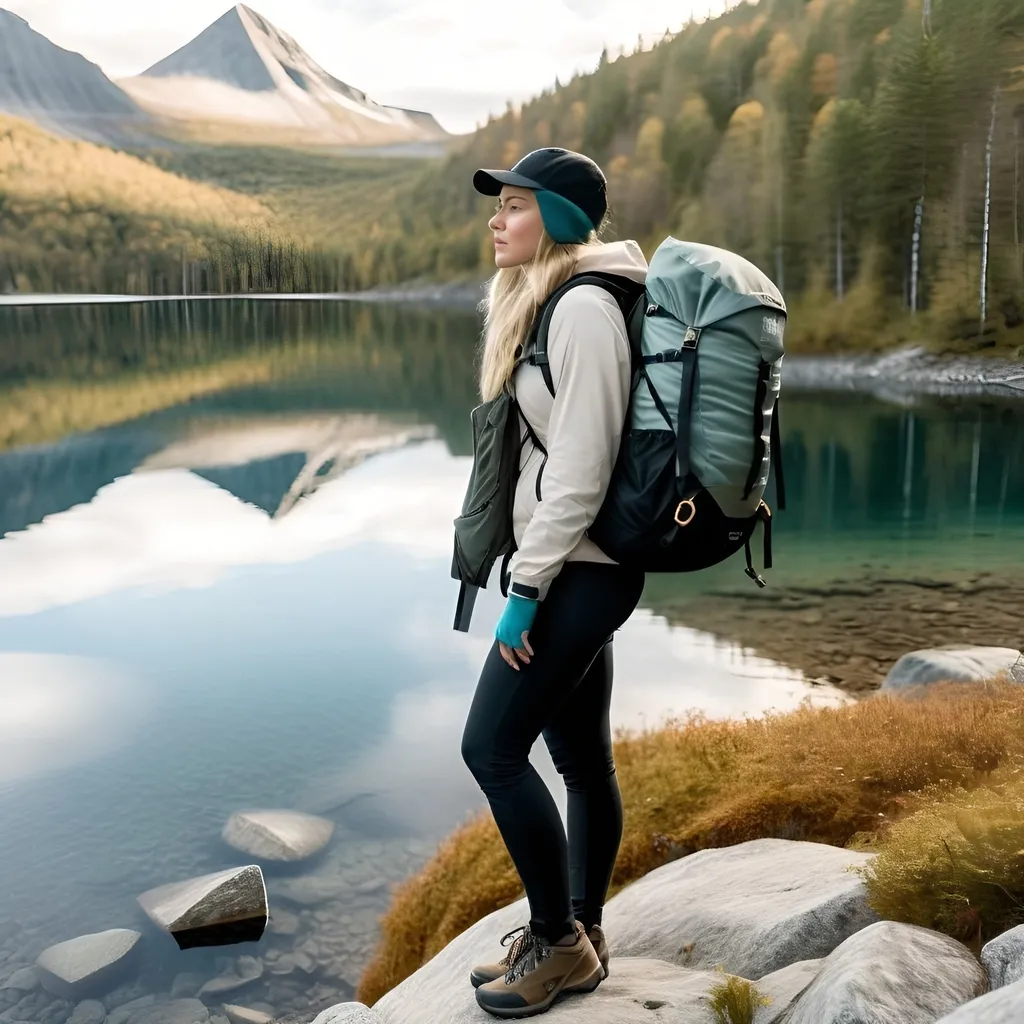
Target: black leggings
<point x="563" y="693"/>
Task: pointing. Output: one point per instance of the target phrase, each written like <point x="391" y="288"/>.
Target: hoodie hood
<point x="625" y="258"/>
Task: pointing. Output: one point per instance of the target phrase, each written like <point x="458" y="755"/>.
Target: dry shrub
<point x="828" y="775"/>
<point x="956" y="866"/>
<point x="735" y="1000"/>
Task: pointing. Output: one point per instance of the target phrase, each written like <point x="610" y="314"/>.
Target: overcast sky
<point x="458" y="59"/>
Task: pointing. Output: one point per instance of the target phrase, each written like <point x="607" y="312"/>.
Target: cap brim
<point x="490" y="183"/>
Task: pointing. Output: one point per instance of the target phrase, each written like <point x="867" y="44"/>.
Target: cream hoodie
<point x="581" y="427"/>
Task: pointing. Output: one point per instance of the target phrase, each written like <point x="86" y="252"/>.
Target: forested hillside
<point x="866" y="153"/>
<point x="78" y="217"/>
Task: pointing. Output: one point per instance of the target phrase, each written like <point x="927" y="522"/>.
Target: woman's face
<point x="517" y="227"/>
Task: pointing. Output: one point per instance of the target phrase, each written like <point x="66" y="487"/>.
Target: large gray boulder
<point x="87" y="965"/>
<point x="277" y="835"/>
<point x="211" y="910"/>
<point x="349" y="1013"/>
<point x="638" y="991"/>
<point x="1003" y="957"/>
<point x="754" y="908"/>
<point x="1016" y="672"/>
<point x="963" y="664"/>
<point x="890" y="972"/>
<point x="783" y="987"/>
<point x="444" y="980"/>
<point x="1003" y="1006"/>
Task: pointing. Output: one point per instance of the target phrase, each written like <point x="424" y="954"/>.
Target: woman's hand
<point x="513" y="630"/>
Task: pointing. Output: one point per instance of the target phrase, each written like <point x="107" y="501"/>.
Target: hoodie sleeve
<point x="591" y="370"/>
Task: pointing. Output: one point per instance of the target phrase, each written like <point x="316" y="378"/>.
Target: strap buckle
<point x="691" y="337"/>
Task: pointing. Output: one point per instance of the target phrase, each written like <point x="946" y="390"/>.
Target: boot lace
<point x="526" y="952"/>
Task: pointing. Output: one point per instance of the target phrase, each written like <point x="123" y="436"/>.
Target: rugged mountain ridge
<point x="60" y="90"/>
<point x="243" y="70"/>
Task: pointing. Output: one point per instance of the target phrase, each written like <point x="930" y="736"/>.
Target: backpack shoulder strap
<point x="626" y="292"/>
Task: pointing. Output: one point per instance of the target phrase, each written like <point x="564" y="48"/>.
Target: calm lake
<point x="225" y="542"/>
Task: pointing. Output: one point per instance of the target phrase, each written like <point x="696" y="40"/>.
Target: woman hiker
<point x="549" y="671"/>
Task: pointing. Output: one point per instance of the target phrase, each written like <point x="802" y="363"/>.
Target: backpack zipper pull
<point x="652" y="309"/>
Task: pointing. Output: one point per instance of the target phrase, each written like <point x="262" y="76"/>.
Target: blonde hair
<point x="514" y="295"/>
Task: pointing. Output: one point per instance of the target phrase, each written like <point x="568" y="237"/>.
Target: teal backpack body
<point x="702" y="430"/>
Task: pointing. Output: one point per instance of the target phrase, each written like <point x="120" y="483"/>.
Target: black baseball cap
<point x="573" y="176"/>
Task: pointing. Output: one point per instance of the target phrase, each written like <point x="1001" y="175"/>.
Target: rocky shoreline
<point x="893" y="376"/>
<point x="848" y="633"/>
<point x="322" y="929"/>
<point x="788" y="919"/>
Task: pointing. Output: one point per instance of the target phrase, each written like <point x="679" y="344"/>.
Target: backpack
<point x="702" y="426"/>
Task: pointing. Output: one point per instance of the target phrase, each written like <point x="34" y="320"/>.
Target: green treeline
<point x="77" y="217"/>
<point x="845" y="146"/>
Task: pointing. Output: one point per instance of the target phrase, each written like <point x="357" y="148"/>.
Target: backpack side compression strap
<point x="622" y="289"/>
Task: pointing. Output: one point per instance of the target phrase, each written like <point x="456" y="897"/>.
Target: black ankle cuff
<point x="551" y="933"/>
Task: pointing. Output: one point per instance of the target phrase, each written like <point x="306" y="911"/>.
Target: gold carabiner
<point x="679" y="509"/>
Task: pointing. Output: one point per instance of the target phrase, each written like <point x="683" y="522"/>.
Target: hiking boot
<point x="484" y="973"/>
<point x="540" y="973"/>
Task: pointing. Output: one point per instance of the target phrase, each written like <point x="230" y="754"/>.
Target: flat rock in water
<point x="245" y="1015"/>
<point x="349" y="1013"/>
<point x="88" y="1011"/>
<point x="247" y="970"/>
<point x="23" y="980"/>
<point x="954" y="663"/>
<point x="187" y="984"/>
<point x="752" y="908"/>
<point x="86" y="965"/>
<point x="1003" y="957"/>
<point x="891" y="971"/>
<point x="121" y="1013"/>
<point x="277" y="835"/>
<point x="1003" y="1006"/>
<point x="311" y="890"/>
<point x="212" y="910"/>
<point x="177" y="1011"/>
<point x="283" y="922"/>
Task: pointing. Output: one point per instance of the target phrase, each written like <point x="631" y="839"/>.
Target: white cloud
<point x="460" y="59"/>
<point x="58" y="710"/>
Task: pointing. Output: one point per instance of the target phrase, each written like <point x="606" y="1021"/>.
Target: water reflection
<point x="224" y="583"/>
<point x="57" y="711"/>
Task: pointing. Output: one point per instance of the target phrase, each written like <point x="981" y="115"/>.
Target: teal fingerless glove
<point x="515" y="620"/>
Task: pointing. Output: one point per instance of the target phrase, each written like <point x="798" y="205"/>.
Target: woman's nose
<point x="495" y="222"/>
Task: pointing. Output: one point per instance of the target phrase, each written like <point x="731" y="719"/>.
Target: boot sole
<point x="515" y="1012"/>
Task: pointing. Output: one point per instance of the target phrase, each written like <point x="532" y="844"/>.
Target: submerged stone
<point x="88" y="964"/>
<point x="277" y="835"/>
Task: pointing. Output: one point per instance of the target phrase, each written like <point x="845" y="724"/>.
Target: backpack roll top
<point x="696" y="452"/>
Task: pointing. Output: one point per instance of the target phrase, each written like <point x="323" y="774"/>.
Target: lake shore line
<point x="897" y="376"/>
